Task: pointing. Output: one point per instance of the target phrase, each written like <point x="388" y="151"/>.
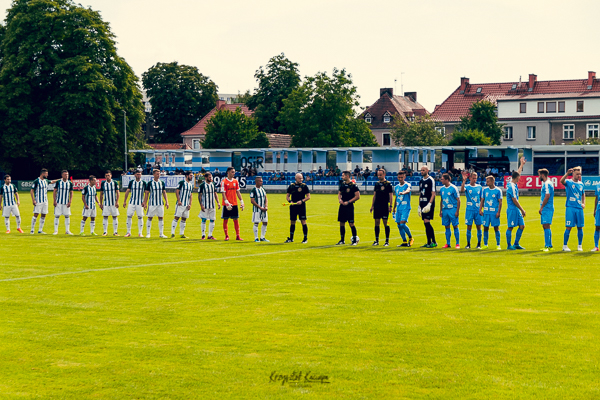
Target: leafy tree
<point x="470" y="137"/>
<point x="581" y="142"/>
<point x="275" y="83"/>
<point x="243" y="98"/>
<point x="63" y="90"/>
<point x="423" y="131"/>
<point x="230" y="130"/>
<point x="321" y="112"/>
<point x="482" y="117"/>
<point x="180" y="96"/>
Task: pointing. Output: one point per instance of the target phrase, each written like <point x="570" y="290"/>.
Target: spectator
<point x="366" y="173"/>
<point x="356" y="171"/>
<point x="320" y="171"/>
<point x="337" y="171"/>
<point x="488" y="171"/>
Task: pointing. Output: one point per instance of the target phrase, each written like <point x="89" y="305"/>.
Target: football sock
<point x="105" y="224"/>
<point x="211" y="228"/>
<point x="448" y="235"/>
<point x="457" y="235"/>
<point x="56" y="221"/>
<point x="387" y="233"/>
<point x="427" y="232"/>
<point x="401" y="230"/>
<point x="407" y="230"/>
<point x="182" y="227"/>
<point x="547" y="238"/>
<point x="161" y="224"/>
<point x="115" y="225"/>
<point x="255" y="229"/>
<point x="478" y="236"/>
<point x="377" y="230"/>
<point x="92" y="226"/>
<point x="18" y="219"/>
<point x="518" y="236"/>
<point x="225" y="227"/>
<point x="68" y="224"/>
<point x="508" y="237"/>
<point x="42" y="221"/>
<point x="342" y="232"/>
<point x="566" y="236"/>
<point x="304" y="230"/>
<point x="264" y="231"/>
<point x="432" y="233"/>
<point x="353" y="229"/>
<point x="486" y="236"/>
<point x="497" y="238"/>
<point x="129" y="225"/>
<point x="596" y="238"/>
<point x="82" y="226"/>
<point x="236" y="225"/>
<point x="204" y="227"/>
<point x="148" y="226"/>
<point x="468" y="236"/>
<point x="33" y="221"/>
<point x="292" y="230"/>
<point x="173" y="226"/>
<point x="579" y="235"/>
<point x="7" y="223"/>
<point x="140" y="225"/>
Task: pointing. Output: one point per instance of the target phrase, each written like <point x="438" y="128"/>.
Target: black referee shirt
<point x="382" y="191"/>
<point x="348" y="190"/>
<point x="298" y="191"/>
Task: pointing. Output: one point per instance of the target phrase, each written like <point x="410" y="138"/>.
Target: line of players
<point x="483" y="206"/>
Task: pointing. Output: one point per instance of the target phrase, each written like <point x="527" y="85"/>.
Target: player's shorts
<point x="574" y="217"/>
<point x="156" y="211"/>
<point x="182" y="212"/>
<point x="260" y="216"/>
<point x="490" y="220"/>
<point x="449" y="217"/>
<point x="41" y="208"/>
<point x="208" y="213"/>
<point x="430" y="214"/>
<point x="597" y="215"/>
<point x="402" y="215"/>
<point x="227" y="214"/>
<point x="346" y="213"/>
<point x="7" y="210"/>
<point x="135" y="209"/>
<point x="62" y="209"/>
<point x="381" y="212"/>
<point x="473" y="217"/>
<point x="547" y="215"/>
<point x="298" y="212"/>
<point x="514" y="218"/>
<point x="89" y="212"/>
<point x="110" y="211"/>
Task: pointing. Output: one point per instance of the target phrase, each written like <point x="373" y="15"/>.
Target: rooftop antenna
<point x="395" y="85"/>
<point x="401" y="85"/>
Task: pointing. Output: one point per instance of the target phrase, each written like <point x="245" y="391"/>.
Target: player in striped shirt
<point x="39" y="197"/>
<point x="546" y="208"/>
<point x="207" y="197"/>
<point x="574" y="206"/>
<point x="63" y="195"/>
<point x="597" y="219"/>
<point x="184" y="203"/>
<point x="474" y="194"/>
<point x="9" y="203"/>
<point x="230" y="189"/>
<point x="109" y="202"/>
<point x="515" y="213"/>
<point x="89" y="197"/>
<point x="136" y="188"/>
<point x="258" y="198"/>
<point x="402" y="209"/>
<point x="155" y="194"/>
<point x="450" y="209"/>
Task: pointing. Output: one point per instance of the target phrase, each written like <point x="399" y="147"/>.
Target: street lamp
<point x="125" y="136"/>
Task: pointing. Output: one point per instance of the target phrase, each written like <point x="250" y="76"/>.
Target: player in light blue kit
<point x="546" y="208"/>
<point x="474" y="194"/>
<point x="575" y="205"/>
<point x="490" y="210"/>
<point x="514" y="211"/>
<point x="597" y="217"/>
<point x="450" y="210"/>
<point x="401" y="209"/>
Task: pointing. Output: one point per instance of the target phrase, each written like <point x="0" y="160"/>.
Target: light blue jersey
<point x="574" y="193"/>
<point x="512" y="192"/>
<point x="450" y="196"/>
<point x="402" y="200"/>
<point x="474" y="195"/>
<point x="547" y="188"/>
<point x="597" y="211"/>
<point x="491" y="198"/>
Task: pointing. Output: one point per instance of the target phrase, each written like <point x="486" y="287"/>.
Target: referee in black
<point x="297" y="195"/>
<point x="381" y="205"/>
<point x="348" y="194"/>
<point x="427" y="205"/>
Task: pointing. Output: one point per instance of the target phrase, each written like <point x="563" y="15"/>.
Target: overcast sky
<point x="433" y="43"/>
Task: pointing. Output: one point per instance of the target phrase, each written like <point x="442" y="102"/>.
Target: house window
<point x="580" y="106"/>
<point x="368" y="120"/>
<point x="386" y="120"/>
<point x="523" y="108"/>
<point x="551" y="107"/>
<point x="592" y="130"/>
<point x="508" y="133"/>
<point x="531" y="133"/>
<point x="441" y="130"/>
<point x="568" y="132"/>
<point x="540" y="107"/>
<point x="196" y="144"/>
<point x="561" y="106"/>
<point x="387" y="139"/>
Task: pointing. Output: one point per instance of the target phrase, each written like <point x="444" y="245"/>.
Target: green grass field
<point x="116" y="318"/>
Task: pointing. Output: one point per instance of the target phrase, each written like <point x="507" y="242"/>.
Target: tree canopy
<point x="321" y="112"/>
<point x="470" y="138"/>
<point x="63" y="90"/>
<point x="423" y="131"/>
<point x="180" y="96"/>
<point x="482" y="117"/>
<point x="229" y="130"/>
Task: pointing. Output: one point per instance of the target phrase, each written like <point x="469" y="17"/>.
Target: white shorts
<point x="133" y="209"/>
<point x="41" y="208"/>
<point x="7" y="210"/>
<point x="89" y="212"/>
<point x="62" y="209"/>
<point x="209" y="214"/>
<point x="260" y="216"/>
<point x="156" y="211"/>
<point x="182" y="212"/>
<point x="110" y="211"/>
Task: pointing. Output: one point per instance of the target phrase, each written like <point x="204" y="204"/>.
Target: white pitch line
<point x="158" y="264"/>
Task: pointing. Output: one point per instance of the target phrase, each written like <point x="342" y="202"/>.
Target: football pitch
<point x="136" y="318"/>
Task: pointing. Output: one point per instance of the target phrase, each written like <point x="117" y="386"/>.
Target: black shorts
<point x="298" y="212"/>
<point x="381" y="212"/>
<point x="430" y="214"/>
<point x="233" y="214"/>
<point x="346" y="213"/>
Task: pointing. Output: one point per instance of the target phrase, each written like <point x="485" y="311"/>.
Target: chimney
<point x="389" y="91"/>
<point x="532" y="80"/>
<point x="591" y="77"/>
<point x="411" y="95"/>
<point x="464" y="82"/>
<point x="220" y="104"/>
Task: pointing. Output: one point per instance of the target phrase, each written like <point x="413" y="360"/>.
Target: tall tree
<point x="482" y="117"/>
<point x="275" y="83"/>
<point x="469" y="137"/>
<point x="63" y="90"/>
<point x="231" y="130"/>
<point x="321" y="112"/>
<point x="423" y="131"/>
<point x="180" y="96"/>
